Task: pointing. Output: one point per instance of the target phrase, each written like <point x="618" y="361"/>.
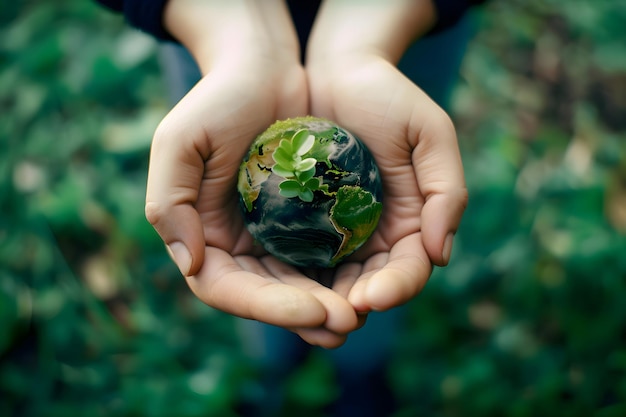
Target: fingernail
<point x="181" y="256"/>
<point x="447" y="248"/>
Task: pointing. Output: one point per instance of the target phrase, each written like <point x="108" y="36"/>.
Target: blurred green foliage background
<point x="528" y="319"/>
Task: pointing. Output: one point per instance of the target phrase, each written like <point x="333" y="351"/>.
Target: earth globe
<point x="310" y="192"/>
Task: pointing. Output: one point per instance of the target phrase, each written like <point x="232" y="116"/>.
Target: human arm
<point x="353" y="80"/>
<point x="252" y="76"/>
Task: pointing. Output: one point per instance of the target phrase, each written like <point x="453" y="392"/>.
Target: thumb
<point x="181" y="230"/>
<point x="439" y="171"/>
<point x="174" y="177"/>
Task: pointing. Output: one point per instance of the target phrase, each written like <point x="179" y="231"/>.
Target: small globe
<point x="310" y="192"/>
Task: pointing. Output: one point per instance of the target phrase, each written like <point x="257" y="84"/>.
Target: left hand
<point x="252" y="76"/>
<point x="354" y="82"/>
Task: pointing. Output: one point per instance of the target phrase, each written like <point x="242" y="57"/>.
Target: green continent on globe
<point x="353" y="213"/>
<point x="310" y="192"/>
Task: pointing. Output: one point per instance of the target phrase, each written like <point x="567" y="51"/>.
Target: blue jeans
<point x="360" y="363"/>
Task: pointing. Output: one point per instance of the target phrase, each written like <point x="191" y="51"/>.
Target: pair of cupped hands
<point x="252" y="76"/>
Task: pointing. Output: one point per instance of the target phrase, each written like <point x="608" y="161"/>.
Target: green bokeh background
<point x="529" y="319"/>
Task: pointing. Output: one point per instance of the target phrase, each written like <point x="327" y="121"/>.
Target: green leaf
<point x="313" y="183"/>
<point x="282" y="171"/>
<point x="290" y="185"/>
<point x="321" y="152"/>
<point x="306" y="164"/>
<point x="290" y="188"/>
<point x="289" y="193"/>
<point x="304" y="176"/>
<point x="282" y="157"/>
<point x="306" y="195"/>
<point x="303" y="146"/>
<point x="298" y="140"/>
<point x="285" y="144"/>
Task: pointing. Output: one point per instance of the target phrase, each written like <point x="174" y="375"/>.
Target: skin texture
<point x="245" y="46"/>
<point x="353" y="81"/>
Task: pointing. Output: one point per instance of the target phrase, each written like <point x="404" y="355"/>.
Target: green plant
<point x="295" y="162"/>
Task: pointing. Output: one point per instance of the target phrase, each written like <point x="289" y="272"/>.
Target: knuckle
<point x="153" y="212"/>
<point x="163" y="132"/>
<point x="443" y="122"/>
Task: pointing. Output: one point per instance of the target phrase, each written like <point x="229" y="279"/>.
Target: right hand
<point x="252" y="77"/>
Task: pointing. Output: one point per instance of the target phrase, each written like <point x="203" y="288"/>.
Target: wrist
<point x="221" y="32"/>
<point x="385" y="28"/>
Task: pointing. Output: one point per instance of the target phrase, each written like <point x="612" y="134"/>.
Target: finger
<point x="441" y="216"/>
<point x="222" y="283"/>
<point x="254" y="265"/>
<point x="325" y="338"/>
<point x="345" y="276"/>
<point x="340" y="316"/>
<point x="362" y="319"/>
<point x="321" y="336"/>
<point x="340" y="280"/>
<point x="174" y="176"/>
<point x="404" y="274"/>
<point x="439" y="171"/>
<point x="356" y="295"/>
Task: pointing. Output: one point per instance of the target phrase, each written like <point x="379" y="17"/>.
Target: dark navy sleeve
<point x="449" y="12"/>
<point x="145" y="15"/>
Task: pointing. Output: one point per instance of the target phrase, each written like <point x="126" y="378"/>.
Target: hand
<point x="249" y="56"/>
<point x="353" y="81"/>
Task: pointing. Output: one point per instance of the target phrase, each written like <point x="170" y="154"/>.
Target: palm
<point x="230" y="138"/>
